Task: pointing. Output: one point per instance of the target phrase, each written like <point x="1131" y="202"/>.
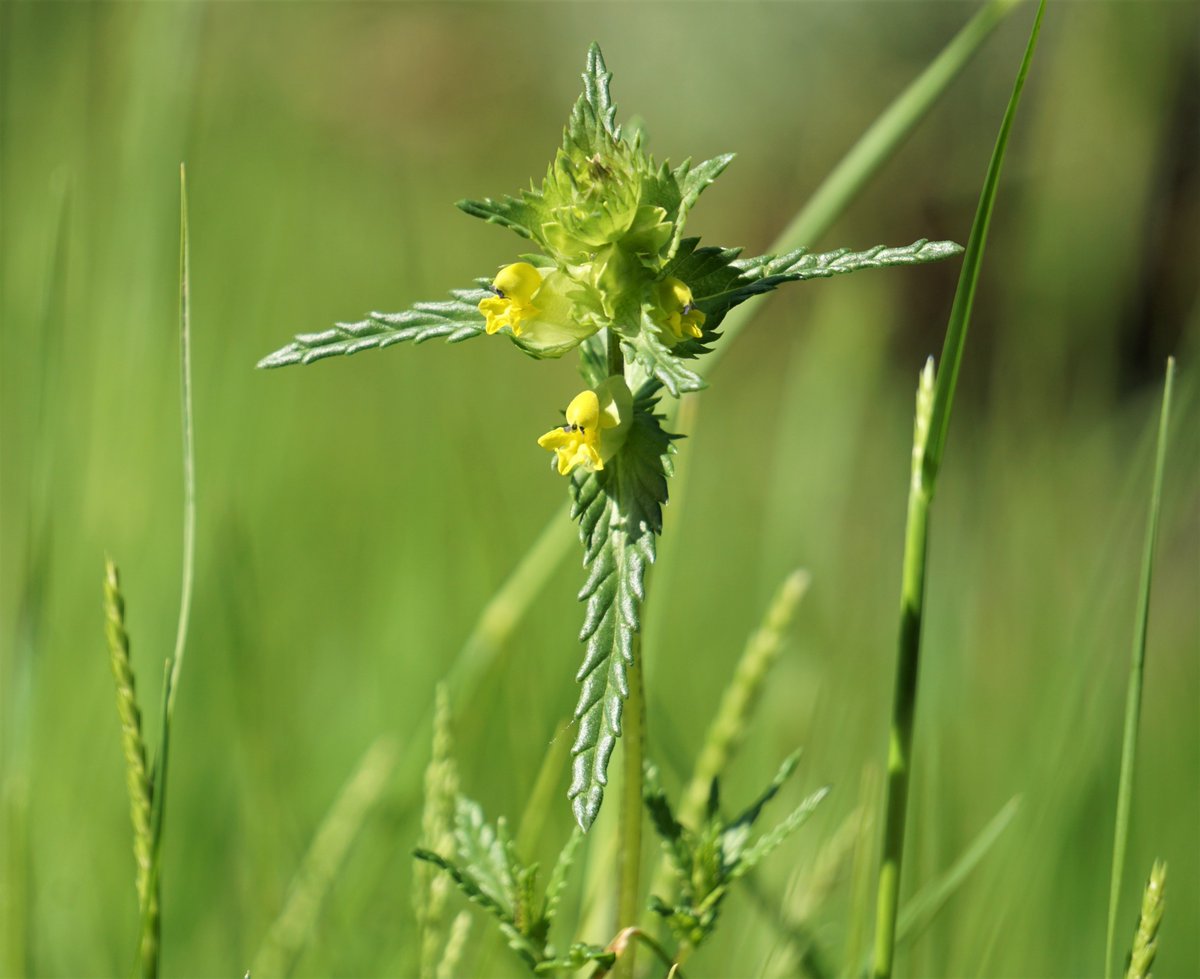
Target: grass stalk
<point x="1137" y="669"/>
<point x="150" y="942"/>
<point x="633" y="741"/>
<point x="874" y="148"/>
<point x="728" y="727"/>
<point x="934" y="401"/>
<point x="189" y="449"/>
<point x="293" y="928"/>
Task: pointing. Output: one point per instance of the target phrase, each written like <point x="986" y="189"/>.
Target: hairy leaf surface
<point x="619" y="510"/>
<point x="455" y="320"/>
<point x="720" y="279"/>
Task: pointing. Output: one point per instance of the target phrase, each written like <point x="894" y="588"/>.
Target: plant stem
<point x="633" y="740"/>
<point x="912" y="598"/>
<point x="616" y="359"/>
<point x="929" y="440"/>
<point x="1137" y="669"/>
<point x="630" y="828"/>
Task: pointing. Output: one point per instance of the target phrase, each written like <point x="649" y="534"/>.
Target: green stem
<point x="929" y="440"/>
<point x="912" y="598"/>
<point x="1137" y="669"/>
<point x="616" y="359"/>
<point x="633" y="739"/>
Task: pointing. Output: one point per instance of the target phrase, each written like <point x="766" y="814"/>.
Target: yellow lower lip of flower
<point x="515" y="286"/>
<point x="597" y="423"/>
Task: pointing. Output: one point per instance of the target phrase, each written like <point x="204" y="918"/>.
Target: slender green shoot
<point x="874" y="148"/>
<point x="293" y="928"/>
<point x="1137" y="669"/>
<point x="1145" y="941"/>
<point x="189" y="449"/>
<point x="934" y="401"/>
<point x="728" y="727"/>
<point x="629" y="847"/>
<point x="923" y="907"/>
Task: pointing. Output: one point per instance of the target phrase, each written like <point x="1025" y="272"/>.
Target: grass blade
<point x="876" y="146"/>
<point x="924" y="906"/>
<point x="293" y="928"/>
<point x="934" y="400"/>
<point x="729" y="726"/>
<point x="189" y="449"/>
<point x="1137" y="668"/>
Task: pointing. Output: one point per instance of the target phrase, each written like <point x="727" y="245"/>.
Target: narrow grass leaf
<point x="763" y="846"/>
<point x="874" y="148"/>
<point x="295" y="926"/>
<point x="728" y="727"/>
<point x="926" y="904"/>
<point x="934" y="399"/>
<point x="430" y="890"/>
<point x="1137" y="669"/>
<point x="968" y="279"/>
<point x="456" y="943"/>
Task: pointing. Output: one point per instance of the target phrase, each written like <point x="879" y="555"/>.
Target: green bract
<point x="615" y="278"/>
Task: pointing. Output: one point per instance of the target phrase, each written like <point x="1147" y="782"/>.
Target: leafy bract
<point x="619" y="510"/>
<point x="720" y="279"/>
<point x="707" y="859"/>
<point x="489" y="873"/>
<point x="455" y="320"/>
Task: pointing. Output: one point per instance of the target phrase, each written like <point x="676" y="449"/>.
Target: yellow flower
<point x="515" y="286"/>
<point x="538" y="307"/>
<point x="678" y="312"/>
<point x="597" y="423"/>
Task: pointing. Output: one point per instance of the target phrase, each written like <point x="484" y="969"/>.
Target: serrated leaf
<point x="455" y="320"/>
<point x="692" y="182"/>
<point x="764" y="273"/>
<point x="753" y="856"/>
<point x="520" y="214"/>
<point x="593" y="359"/>
<point x="482" y="849"/>
<point x="669" y="829"/>
<point x="620" y="511"/>
<point x="466" y="883"/>
<point x="593" y="118"/>
<point x="557" y="884"/>
<point x="659" y="361"/>
<point x="751" y="813"/>
<point x="720" y="280"/>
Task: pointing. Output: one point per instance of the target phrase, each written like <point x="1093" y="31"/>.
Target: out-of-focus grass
<point x="355" y="516"/>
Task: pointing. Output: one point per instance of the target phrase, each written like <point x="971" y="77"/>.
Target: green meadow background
<point x="356" y="516"/>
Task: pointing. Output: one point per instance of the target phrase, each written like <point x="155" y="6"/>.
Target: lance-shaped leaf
<point x="720" y="279"/>
<point x="520" y="214"/>
<point x="593" y="118"/>
<point x="455" y="320"/>
<point x="692" y="182"/>
<point x="659" y="362"/>
<point x="619" y="510"/>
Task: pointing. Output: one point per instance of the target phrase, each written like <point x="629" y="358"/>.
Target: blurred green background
<point x="356" y="516"/>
